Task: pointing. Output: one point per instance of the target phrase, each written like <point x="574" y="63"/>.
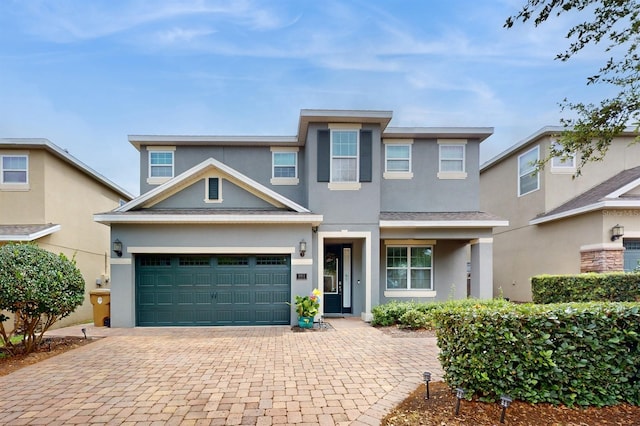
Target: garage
<point x="206" y="290"/>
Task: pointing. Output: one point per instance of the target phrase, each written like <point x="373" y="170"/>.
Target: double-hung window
<point x="410" y="267"/>
<point x="452" y="160"/>
<point x="161" y="164"/>
<point x="528" y="176"/>
<point x="14" y="169"/>
<point x="284" y="166"/>
<point x="563" y="163"/>
<point x="344" y="156"/>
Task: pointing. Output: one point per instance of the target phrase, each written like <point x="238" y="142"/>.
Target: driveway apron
<point x="350" y="373"/>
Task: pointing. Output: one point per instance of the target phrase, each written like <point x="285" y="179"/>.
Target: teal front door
<point x="192" y="290"/>
<point x="337" y="279"/>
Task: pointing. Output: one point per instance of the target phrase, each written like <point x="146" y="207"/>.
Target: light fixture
<point x="459" y="395"/>
<point x="303" y="248"/>
<point x="505" y="401"/>
<point x="617" y="232"/>
<point x="117" y="247"/>
<point x="427" y="379"/>
<point x="84" y="331"/>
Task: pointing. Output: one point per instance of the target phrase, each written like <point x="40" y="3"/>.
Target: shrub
<point x="611" y="287"/>
<point x="40" y="288"/>
<point x="573" y="354"/>
<point x="414" y="319"/>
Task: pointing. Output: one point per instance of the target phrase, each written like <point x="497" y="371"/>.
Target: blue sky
<point x="85" y="74"/>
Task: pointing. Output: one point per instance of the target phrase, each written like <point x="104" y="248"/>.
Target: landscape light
<point x="459" y="395"/>
<point x="427" y="378"/>
<point x="505" y="401"/>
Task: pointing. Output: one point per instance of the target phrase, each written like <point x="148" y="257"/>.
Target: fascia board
<point x="204" y="218"/>
<point x="623" y="190"/>
<point x="33" y="236"/>
<point x="616" y="204"/>
<point x="443" y="223"/>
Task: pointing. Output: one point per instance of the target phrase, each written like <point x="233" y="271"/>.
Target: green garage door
<point x="212" y="290"/>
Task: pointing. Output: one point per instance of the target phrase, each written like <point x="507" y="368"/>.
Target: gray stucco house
<point x="228" y="229"/>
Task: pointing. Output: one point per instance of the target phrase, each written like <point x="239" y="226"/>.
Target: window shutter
<point x="366" y="137"/>
<point x="324" y="154"/>
<point x="213" y="189"/>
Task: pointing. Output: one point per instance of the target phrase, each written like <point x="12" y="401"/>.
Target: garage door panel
<point x="212" y="290"/>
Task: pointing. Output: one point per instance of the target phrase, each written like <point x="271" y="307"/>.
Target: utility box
<point x="101" y="301"/>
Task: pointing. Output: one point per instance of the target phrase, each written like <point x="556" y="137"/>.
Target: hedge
<point x="573" y="354"/>
<point x="610" y="287"/>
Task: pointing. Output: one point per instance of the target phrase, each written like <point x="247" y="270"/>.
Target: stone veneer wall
<point x="602" y="260"/>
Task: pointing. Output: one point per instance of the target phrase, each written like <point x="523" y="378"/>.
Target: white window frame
<point x="206" y="190"/>
<point x="452" y="174"/>
<point x="340" y="183"/>
<point x="397" y="292"/>
<point x="528" y="171"/>
<point x="397" y="174"/>
<point x="284" y="180"/>
<point x="156" y="180"/>
<point x="561" y="165"/>
<point x="14" y="185"/>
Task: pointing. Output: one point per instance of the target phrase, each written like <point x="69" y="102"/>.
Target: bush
<point x="573" y="354"/>
<point x="40" y="288"/>
<point x="610" y="287"/>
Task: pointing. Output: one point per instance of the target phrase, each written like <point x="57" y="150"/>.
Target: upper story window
<point x="284" y="166"/>
<point x="562" y="164"/>
<point x="452" y="159"/>
<point x="528" y="176"/>
<point x="14" y="169"/>
<point x="397" y="153"/>
<point x="344" y="156"/>
<point x="161" y="164"/>
<point x="409" y="267"/>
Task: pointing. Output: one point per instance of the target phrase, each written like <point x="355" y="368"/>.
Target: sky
<point x="86" y="74"/>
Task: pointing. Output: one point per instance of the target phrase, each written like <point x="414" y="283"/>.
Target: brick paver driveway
<point x="349" y="374"/>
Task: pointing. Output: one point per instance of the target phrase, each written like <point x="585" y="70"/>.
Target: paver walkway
<point x="350" y="374"/>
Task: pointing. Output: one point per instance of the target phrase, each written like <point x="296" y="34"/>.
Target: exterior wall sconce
<point x="617" y="232"/>
<point x="117" y="247"/>
<point x="303" y="248"/>
<point x="505" y="401"/>
<point x="427" y="379"/>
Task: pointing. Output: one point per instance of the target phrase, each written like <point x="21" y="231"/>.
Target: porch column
<point x="482" y="268"/>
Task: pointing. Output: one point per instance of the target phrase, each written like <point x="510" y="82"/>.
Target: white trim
<point x="205" y="218"/>
<point x="486" y="240"/>
<point x="442" y="223"/>
<point x="301" y="262"/>
<point x="344" y="186"/>
<point x="345" y="126"/>
<point x="397" y="141"/>
<point x="368" y="271"/>
<point x="208" y="200"/>
<point x="410" y="242"/>
<point x="285" y="149"/>
<point x="17" y="185"/>
<point x="33" y="236"/>
<point x="397" y="175"/>
<point x="210" y="250"/>
<point x="452" y="141"/>
<point x="409" y="159"/>
<point x="192" y="175"/>
<point x="624" y="189"/>
<point x="156" y="180"/>
<point x="410" y="293"/>
<point x="520" y="175"/>
<point x="602" y="246"/>
<point x="407" y="267"/>
<point x="284" y="181"/>
<point x="121" y="261"/>
<point x="452" y="175"/>
<point x="332" y="156"/>
<point x="586" y="209"/>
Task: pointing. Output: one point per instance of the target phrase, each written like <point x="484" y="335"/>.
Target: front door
<point x="337" y="279"/>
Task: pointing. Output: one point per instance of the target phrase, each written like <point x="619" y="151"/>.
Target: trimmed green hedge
<point x="416" y="315"/>
<point x="609" y="287"/>
<point x="574" y="354"/>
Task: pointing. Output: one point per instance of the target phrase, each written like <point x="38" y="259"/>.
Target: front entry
<point x="337" y="279"/>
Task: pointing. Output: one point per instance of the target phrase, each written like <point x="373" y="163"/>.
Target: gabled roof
<point x="612" y="193"/>
<point x="138" y="210"/>
<point x="26" y="232"/>
<point x="440" y="220"/>
<point x="47" y="145"/>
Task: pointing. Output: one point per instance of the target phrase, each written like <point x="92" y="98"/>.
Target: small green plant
<point x="414" y="319"/>
<point x="308" y="306"/>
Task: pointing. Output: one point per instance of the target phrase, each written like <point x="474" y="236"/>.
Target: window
<point x="161" y="164"/>
<point x="409" y="268"/>
<point x="561" y="164"/>
<point x="285" y="165"/>
<point x="452" y="158"/>
<point x="14" y="169"/>
<point x="344" y="156"/>
<point x="528" y="177"/>
<point x="398" y="158"/>
<point x="213" y="190"/>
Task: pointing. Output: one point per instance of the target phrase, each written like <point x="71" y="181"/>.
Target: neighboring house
<point x="558" y="223"/>
<point x="228" y="230"/>
<point x="49" y="197"/>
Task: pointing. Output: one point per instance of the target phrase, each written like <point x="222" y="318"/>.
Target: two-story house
<point x="559" y="223"/>
<point x="228" y="230"/>
<point x="49" y="197"/>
